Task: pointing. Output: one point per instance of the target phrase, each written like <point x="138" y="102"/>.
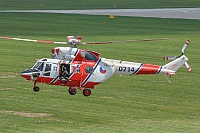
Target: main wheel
<point x="86" y="92"/>
<point x="36" y="88"/>
<point x="72" y="91"/>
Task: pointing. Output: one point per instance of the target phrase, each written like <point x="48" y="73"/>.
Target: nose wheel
<point x="36" y="88"/>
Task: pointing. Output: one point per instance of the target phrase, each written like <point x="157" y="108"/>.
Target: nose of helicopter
<point x="25" y="75"/>
<point x="28" y="74"/>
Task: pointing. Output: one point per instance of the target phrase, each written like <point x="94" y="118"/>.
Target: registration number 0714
<point x="124" y="69"/>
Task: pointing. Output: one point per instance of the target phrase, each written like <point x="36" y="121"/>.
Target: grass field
<point x="121" y="104"/>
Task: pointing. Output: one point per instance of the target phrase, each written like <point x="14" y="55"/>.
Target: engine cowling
<point x="64" y="53"/>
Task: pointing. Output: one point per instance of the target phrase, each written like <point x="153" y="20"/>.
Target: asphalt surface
<point x="182" y="13"/>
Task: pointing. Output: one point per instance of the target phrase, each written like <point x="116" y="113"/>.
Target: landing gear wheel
<point x="36" y="88"/>
<point x="86" y="92"/>
<point x="72" y="91"/>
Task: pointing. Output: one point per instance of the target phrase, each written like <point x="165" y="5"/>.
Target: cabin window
<point x="89" y="69"/>
<point x="88" y="56"/>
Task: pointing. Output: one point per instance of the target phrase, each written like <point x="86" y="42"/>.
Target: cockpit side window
<point x="47" y="69"/>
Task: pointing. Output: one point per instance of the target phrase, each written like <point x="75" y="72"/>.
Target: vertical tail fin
<point x="176" y="64"/>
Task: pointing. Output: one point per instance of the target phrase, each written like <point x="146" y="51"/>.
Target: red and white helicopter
<point x="84" y="69"/>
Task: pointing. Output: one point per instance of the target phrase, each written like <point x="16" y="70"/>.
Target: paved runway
<point x="182" y="13"/>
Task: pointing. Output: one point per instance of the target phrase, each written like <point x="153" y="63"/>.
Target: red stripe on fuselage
<point x="148" y="69"/>
<point x="71" y="83"/>
<point x="47" y="80"/>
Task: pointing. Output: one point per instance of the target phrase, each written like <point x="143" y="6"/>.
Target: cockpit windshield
<point x="39" y="66"/>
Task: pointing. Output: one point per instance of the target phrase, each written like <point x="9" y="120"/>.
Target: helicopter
<point x="84" y="69"/>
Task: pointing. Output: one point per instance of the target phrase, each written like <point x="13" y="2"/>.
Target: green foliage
<point x="121" y="104"/>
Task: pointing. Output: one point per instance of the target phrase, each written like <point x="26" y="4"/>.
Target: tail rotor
<point x="182" y="53"/>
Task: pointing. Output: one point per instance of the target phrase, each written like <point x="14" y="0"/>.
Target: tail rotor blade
<point x="185" y="46"/>
<point x="169" y="57"/>
<point x="188" y="67"/>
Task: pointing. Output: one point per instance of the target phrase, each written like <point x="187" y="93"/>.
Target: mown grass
<point x="121" y="104"/>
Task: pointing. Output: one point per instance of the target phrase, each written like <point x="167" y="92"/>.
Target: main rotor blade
<point x="142" y="40"/>
<point x="81" y="43"/>
<point x="32" y="40"/>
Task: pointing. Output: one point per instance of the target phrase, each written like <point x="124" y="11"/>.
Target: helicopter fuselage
<point x="78" y="68"/>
